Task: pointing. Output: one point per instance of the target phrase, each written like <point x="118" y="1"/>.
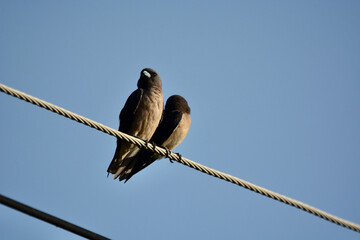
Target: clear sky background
<point x="274" y="89"/>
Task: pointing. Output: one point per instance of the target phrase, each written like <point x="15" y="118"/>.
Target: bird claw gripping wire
<point x="179" y="155"/>
<point x="168" y="153"/>
<point x="146" y="144"/>
<point x="153" y="145"/>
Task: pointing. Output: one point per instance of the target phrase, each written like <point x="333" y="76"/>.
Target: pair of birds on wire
<point x="144" y="116"/>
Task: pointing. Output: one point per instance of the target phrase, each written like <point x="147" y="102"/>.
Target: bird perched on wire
<point x="170" y="133"/>
<point x="139" y="117"/>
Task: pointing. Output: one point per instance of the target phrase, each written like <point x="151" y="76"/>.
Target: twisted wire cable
<point x="187" y="162"/>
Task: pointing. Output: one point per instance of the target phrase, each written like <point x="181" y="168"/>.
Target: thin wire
<point x="182" y="160"/>
<point x="50" y="219"/>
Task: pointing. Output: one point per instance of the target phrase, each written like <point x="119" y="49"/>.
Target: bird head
<point x="177" y="103"/>
<point x="149" y="78"/>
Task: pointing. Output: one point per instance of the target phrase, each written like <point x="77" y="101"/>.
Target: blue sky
<point x="274" y="89"/>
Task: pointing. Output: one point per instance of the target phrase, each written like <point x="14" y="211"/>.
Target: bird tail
<point x="137" y="163"/>
<point x="114" y="163"/>
<point x="125" y="170"/>
<point x="118" y="167"/>
<point x="123" y="150"/>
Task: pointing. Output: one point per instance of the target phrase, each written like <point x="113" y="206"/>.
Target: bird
<point x="171" y="131"/>
<point x="139" y="117"/>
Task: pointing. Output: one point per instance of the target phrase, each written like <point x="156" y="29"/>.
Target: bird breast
<point x="179" y="133"/>
<point x="148" y="113"/>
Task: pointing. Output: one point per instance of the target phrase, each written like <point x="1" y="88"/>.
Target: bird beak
<point x="146" y="73"/>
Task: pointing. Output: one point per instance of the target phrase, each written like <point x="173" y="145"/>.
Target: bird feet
<point x="179" y="155"/>
<point x="168" y="153"/>
<point x="147" y="144"/>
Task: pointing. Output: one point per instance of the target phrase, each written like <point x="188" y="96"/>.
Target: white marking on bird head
<point x="146" y="73"/>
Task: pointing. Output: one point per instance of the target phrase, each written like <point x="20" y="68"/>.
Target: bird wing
<point x="126" y="119"/>
<point x="146" y="157"/>
<point x="166" y="127"/>
<point x="127" y="113"/>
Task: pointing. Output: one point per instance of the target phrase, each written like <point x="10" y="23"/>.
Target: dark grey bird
<point x="170" y="133"/>
<point x="139" y="117"/>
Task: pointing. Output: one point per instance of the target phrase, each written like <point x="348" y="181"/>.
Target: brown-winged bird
<point x="139" y="117"/>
